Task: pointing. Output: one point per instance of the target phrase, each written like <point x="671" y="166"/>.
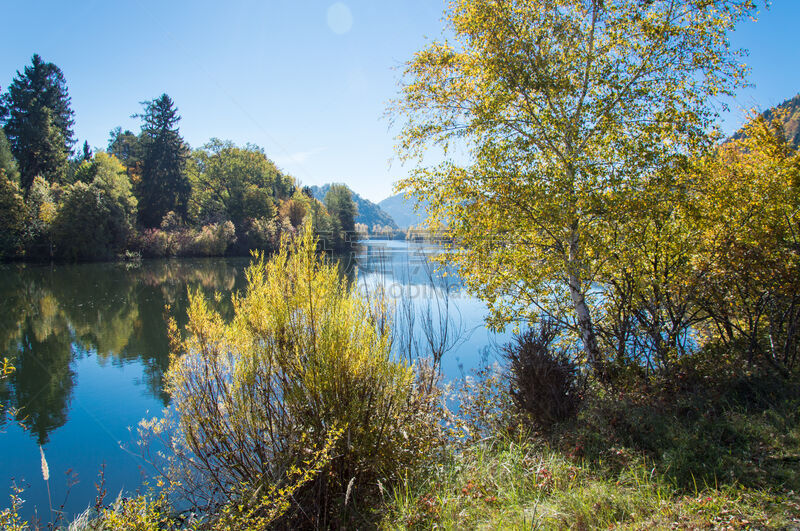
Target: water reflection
<point x="90" y="346"/>
<point x="52" y="316"/>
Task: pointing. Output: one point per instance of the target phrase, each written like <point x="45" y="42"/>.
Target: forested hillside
<point x="788" y="113"/>
<point x="369" y="213"/>
<point x="402" y="211"/>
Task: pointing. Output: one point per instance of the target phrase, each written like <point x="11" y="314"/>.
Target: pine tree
<point x="87" y="152"/>
<point x="164" y="185"/>
<point x="38" y="121"/>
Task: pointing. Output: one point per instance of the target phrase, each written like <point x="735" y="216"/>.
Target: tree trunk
<point x="584" y="318"/>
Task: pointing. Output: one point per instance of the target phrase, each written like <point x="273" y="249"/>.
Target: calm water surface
<point x="90" y="347"/>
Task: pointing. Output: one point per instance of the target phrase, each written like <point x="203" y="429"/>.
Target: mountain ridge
<point x="369" y="213"/>
<point x="402" y="210"/>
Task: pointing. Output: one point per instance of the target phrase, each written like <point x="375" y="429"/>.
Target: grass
<point x="709" y="456"/>
<point x="517" y="484"/>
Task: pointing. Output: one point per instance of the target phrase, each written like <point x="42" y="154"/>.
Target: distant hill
<point x="369" y="213"/>
<point x="791" y="120"/>
<point x="402" y="211"/>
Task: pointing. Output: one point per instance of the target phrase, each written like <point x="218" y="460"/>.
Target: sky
<point x="307" y="80"/>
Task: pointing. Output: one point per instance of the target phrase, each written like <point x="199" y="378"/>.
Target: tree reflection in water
<point x="52" y="315"/>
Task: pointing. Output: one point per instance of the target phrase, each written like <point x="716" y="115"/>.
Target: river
<point x="89" y="343"/>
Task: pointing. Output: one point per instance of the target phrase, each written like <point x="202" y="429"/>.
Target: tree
<point x="41" y="206"/>
<point x="87" y="151"/>
<point x="236" y="183"/>
<point x="38" y="121"/>
<point x="127" y="147"/>
<point x="7" y="162"/>
<point x="750" y="246"/>
<point x="95" y="217"/>
<point x="110" y="178"/>
<point x="342" y="208"/>
<point x="12" y="216"/>
<point x="164" y="186"/>
<point x="567" y="110"/>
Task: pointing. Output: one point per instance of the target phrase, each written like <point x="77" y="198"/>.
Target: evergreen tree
<point x="87" y="152"/>
<point x="164" y="185"/>
<point x="128" y="149"/>
<point x="38" y="121"/>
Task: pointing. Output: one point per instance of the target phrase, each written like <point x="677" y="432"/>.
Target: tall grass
<point x="509" y="483"/>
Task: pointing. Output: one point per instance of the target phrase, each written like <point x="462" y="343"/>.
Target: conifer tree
<point x="38" y="120"/>
<point x="164" y="185"/>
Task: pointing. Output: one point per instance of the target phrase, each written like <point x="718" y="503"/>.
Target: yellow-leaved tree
<point x="749" y="202"/>
<point x="567" y="117"/>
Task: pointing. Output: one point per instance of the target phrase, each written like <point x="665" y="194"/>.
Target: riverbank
<point x="730" y="465"/>
<point x="100" y="329"/>
<point x="289" y="409"/>
<point x="723" y="457"/>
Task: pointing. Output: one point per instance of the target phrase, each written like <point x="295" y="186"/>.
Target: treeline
<point x="148" y="194"/>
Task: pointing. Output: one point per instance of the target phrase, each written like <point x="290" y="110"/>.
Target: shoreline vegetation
<point x="714" y="443"/>
<point x="149" y="194"/>
<point x="649" y="269"/>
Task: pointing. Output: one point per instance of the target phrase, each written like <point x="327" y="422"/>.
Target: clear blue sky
<point x="308" y="80"/>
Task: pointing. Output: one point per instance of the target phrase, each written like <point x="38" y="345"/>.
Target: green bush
<point x="305" y="364"/>
<point x="79" y="229"/>
<point x="214" y="239"/>
<point x="544" y="380"/>
<point x="95" y="220"/>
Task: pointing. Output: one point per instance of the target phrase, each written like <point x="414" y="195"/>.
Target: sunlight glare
<point x="340" y="19"/>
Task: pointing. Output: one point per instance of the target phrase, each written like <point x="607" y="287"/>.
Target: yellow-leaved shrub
<point x="298" y="396"/>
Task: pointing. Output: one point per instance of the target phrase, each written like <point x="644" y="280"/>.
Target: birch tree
<point x="555" y="118"/>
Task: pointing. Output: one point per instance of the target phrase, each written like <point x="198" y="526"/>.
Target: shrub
<point x="90" y="224"/>
<point x="260" y="233"/>
<point x="214" y="239"/>
<point x="95" y="219"/>
<point x="485" y="408"/>
<point x="153" y="243"/>
<point x="544" y="380"/>
<point x="304" y="365"/>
